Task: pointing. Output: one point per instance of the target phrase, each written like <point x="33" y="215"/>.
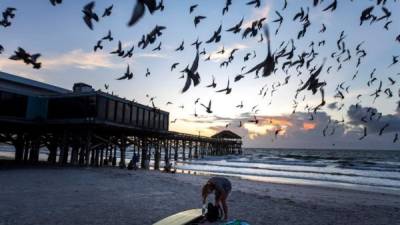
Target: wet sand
<point x="82" y="196"/>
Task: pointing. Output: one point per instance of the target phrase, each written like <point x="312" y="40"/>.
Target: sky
<point x="67" y="56"/>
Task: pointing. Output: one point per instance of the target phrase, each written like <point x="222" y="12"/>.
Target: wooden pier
<point x="92" y="128"/>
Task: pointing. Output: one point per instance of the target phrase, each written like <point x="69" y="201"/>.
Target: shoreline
<point x="85" y="195"/>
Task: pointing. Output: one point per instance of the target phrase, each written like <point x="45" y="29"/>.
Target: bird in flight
<point x="128" y="75"/>
<point x="227" y="90"/>
<point x="208" y="108"/>
<point x="213" y="84"/>
<point x="89" y="15"/>
<point x="192" y="8"/>
<point x="55" y="2"/>
<point x="108" y="11"/>
<point x="192" y="74"/>
<point x="268" y="65"/>
<point x="21" y="54"/>
<point x="139" y="9"/>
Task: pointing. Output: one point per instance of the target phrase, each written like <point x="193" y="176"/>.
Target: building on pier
<point x="89" y="127"/>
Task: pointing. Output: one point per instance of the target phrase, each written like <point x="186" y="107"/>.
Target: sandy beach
<point x="51" y="195"/>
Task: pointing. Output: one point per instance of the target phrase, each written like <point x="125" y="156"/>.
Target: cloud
<point x="151" y="55"/>
<point x="372" y="119"/>
<point x="299" y="130"/>
<point x="80" y="59"/>
<point x="21" y="69"/>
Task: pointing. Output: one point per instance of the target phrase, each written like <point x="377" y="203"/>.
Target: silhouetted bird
<point x="139" y="9"/>
<point x="107" y="11"/>
<point x="208" y="108"/>
<point x="256" y="3"/>
<point x="192" y="7"/>
<point x="7" y="14"/>
<point x="129" y="53"/>
<point x="332" y="6"/>
<point x="387" y="25"/>
<point x="160" y="6"/>
<point x="108" y="37"/>
<point x="1" y="49"/>
<point x="366" y="14"/>
<point x="216" y="36"/>
<point x="98" y="46"/>
<point x="174" y="66"/>
<point x="268" y="65"/>
<point x="55" y="2"/>
<point x="395" y="59"/>
<point x="227" y="90"/>
<point x="197" y="20"/>
<point x="213" y="84"/>
<point x="21" y="54"/>
<point x="236" y="29"/>
<point x="364" y="134"/>
<point x="197" y="43"/>
<point x="158" y="48"/>
<point x="128" y="75"/>
<point x="226" y="8"/>
<point x="119" y="50"/>
<point x="89" y="15"/>
<point x="181" y="47"/>
<point x="192" y="74"/>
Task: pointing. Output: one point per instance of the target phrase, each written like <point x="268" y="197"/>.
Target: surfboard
<point x="181" y="218"/>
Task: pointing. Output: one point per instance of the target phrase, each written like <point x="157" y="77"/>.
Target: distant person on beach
<point x="221" y="188"/>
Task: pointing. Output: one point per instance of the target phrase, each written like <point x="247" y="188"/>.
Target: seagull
<point x="89" y="15"/>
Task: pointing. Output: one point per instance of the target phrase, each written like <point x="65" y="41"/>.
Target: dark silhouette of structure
<point x="88" y="127"/>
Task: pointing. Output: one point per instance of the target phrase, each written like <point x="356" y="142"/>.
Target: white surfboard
<point x="181" y="218"/>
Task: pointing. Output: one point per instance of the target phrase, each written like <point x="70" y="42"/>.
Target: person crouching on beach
<point x="221" y="188"/>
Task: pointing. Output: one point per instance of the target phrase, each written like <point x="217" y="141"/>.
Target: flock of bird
<point x="287" y="57"/>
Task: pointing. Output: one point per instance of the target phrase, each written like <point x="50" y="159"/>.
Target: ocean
<point x="373" y="170"/>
